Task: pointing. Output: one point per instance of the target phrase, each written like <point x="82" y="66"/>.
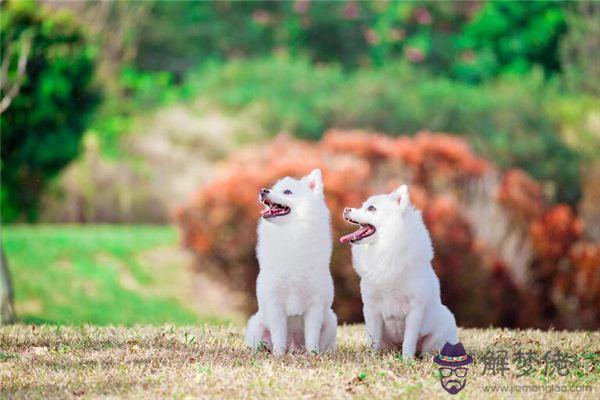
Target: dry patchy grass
<point x="212" y="362"/>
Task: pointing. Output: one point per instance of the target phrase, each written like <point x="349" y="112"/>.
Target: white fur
<point x="294" y="285"/>
<point x="400" y="291"/>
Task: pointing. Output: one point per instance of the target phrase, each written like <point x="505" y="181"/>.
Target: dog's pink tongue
<point x="354" y="235"/>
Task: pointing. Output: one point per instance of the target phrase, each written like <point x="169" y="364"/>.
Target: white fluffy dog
<point x="392" y="253"/>
<point x="294" y="286"/>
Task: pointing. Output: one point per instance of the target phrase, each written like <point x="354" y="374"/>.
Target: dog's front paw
<point x="278" y="351"/>
<point x="374" y="345"/>
<point x="406" y="356"/>
<point x="313" y="352"/>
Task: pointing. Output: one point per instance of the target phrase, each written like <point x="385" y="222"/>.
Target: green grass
<point x="213" y="362"/>
<point x="97" y="274"/>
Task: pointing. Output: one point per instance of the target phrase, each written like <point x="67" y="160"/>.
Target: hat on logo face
<point x="453" y="355"/>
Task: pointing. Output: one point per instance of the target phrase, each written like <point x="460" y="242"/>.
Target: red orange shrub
<point x="219" y="223"/>
<point x="521" y="194"/>
<point x="554" y="232"/>
<point x="585" y="257"/>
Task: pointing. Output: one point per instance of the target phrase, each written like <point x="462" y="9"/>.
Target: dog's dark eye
<point x="371" y="208"/>
<point x="287" y="191"/>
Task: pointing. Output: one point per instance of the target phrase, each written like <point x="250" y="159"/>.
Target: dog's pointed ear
<point x="314" y="180"/>
<point x="401" y="196"/>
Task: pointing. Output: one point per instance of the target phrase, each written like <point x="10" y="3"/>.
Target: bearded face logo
<point x="453" y="379"/>
<point x="452" y="362"/>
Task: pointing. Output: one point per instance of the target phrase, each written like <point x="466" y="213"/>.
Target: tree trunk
<point x="7" y="314"/>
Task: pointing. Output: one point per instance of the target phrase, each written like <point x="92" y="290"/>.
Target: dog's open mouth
<point x="364" y="231"/>
<point x="272" y="209"/>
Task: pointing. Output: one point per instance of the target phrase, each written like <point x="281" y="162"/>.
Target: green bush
<point x="469" y="41"/>
<point x="509" y="120"/>
<point x="139" y="92"/>
<point x="290" y="95"/>
<point x="41" y="128"/>
<point x="510" y="37"/>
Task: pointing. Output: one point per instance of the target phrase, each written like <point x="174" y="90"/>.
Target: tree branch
<point x="26" y="42"/>
<point x="5" y="64"/>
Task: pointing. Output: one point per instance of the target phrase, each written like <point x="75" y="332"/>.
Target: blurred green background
<point x="117" y="112"/>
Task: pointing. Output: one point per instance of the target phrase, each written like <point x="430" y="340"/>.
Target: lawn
<point x="98" y="274"/>
<point x="211" y="362"/>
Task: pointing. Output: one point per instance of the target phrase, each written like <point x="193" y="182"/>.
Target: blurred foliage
<point x="467" y="40"/>
<point x="524" y="263"/>
<point x="42" y="127"/>
<point x="140" y="92"/>
<point x="288" y="95"/>
<point x="511" y="37"/>
<point x="495" y="72"/>
<point x="96" y="274"/>
<point x="509" y="120"/>
<point x="580" y="49"/>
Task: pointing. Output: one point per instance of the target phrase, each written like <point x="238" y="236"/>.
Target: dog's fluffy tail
<point x="446" y="331"/>
<point x="452" y="329"/>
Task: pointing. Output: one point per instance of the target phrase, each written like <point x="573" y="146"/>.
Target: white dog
<point x="294" y="286"/>
<point x="392" y="254"/>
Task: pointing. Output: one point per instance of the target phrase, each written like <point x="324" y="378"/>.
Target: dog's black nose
<point x="346" y="212"/>
<point x="262" y="195"/>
